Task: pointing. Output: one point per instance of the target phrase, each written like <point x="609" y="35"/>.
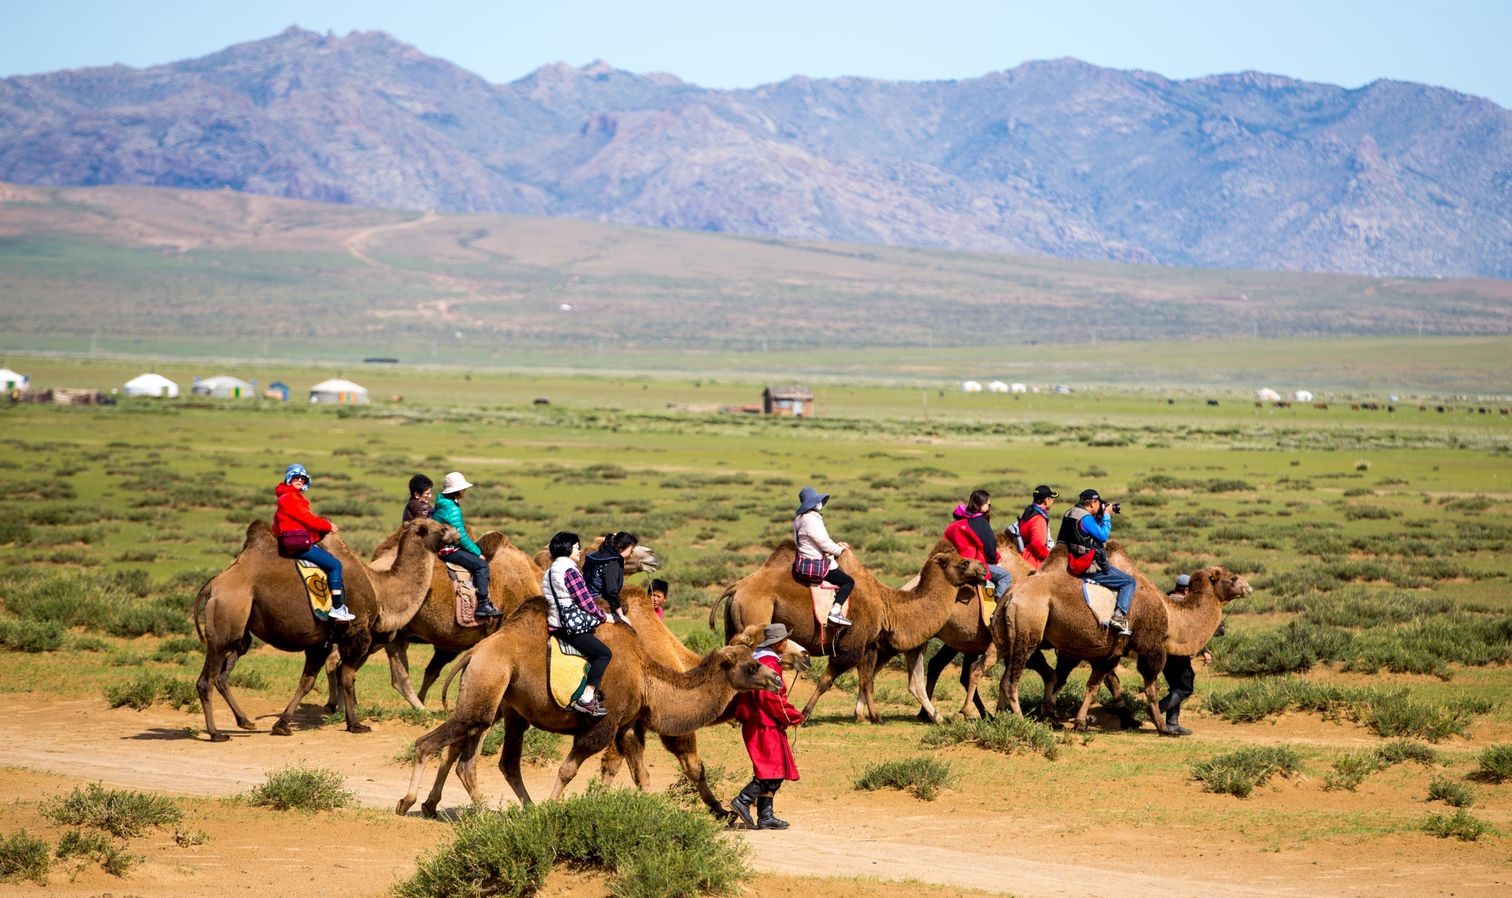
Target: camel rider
<point x="1180" y="677"/>
<point x="1085" y="530"/>
<point x="812" y="564"/>
<point x="465" y="553"/>
<point x="572" y="616"/>
<point x="604" y="571"/>
<point x="421" y="501"/>
<point x="1034" y="526"/>
<point x="299" y="532"/>
<point x="971" y="534"/>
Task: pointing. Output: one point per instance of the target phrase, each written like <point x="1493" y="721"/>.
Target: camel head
<point x="1227" y="585"/>
<point x="432" y="533"/>
<point x="642" y="558"/>
<point x="960" y="571"/>
<point x="743" y="671"/>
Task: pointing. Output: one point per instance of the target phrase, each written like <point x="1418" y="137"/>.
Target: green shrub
<point x="88" y="644"/>
<point x="30" y="635"/>
<point x="1451" y="793"/>
<point x="246" y="678"/>
<point x="120" y="812"/>
<point x="1239" y="773"/>
<point x="23" y="856"/>
<point x="721" y="782"/>
<point x="540" y="748"/>
<point x="162" y="617"/>
<point x="181" y="694"/>
<point x="1394" y="714"/>
<point x="648" y="846"/>
<point x="1459" y="825"/>
<point x="1494" y="765"/>
<point x="1350" y="770"/>
<point x="1400" y="751"/>
<point x="924" y="777"/>
<point x="97" y="847"/>
<point x="139" y="692"/>
<point x="1006" y="733"/>
<point x="1390" y="714"/>
<point x="302" y="788"/>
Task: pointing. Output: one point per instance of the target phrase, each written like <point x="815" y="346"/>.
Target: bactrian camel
<point x="514" y="576"/>
<point x="262" y="595"/>
<point x="504" y="677"/>
<point x="881" y="616"/>
<point x="1049" y="608"/>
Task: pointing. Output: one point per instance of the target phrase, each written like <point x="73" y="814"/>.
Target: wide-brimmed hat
<point x="453" y="483"/>
<point x="774" y="634"/>
<point x="810" y="499"/>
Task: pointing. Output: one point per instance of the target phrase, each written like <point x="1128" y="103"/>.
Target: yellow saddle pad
<point x="566" y="672"/>
<point x="316" y="587"/>
<point x="987" y="605"/>
<point x="1101" y="600"/>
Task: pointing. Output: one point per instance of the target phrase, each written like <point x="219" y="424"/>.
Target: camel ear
<point x="1215" y="575"/>
<point x="750" y="637"/>
<point x="727" y="657"/>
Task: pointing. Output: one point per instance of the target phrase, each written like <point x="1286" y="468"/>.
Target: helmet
<point x="297" y="470"/>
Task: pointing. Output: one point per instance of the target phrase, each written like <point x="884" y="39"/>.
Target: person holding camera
<point x="1085" y="530"/>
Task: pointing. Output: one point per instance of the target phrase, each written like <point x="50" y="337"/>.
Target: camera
<point x="1116" y="507"/>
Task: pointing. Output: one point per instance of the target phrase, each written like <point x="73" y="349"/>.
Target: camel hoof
<point x="428" y="811"/>
<point x="219" y="737"/>
<point x="1129" y="723"/>
<point x="281" y="728"/>
<point x="403" y="806"/>
<point x="247" y="725"/>
<point x="359" y="728"/>
<point x="1080" y="726"/>
<point x="330" y="707"/>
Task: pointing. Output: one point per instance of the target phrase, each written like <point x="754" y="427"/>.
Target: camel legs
<point x="439" y="659"/>
<point x="974" y="681"/>
<point x="913" y="660"/>
<point x="584" y="746"/>
<point x="1149" y="667"/>
<point x="509" y="755"/>
<point x="631" y="744"/>
<point x="450" y="732"/>
<point x="685" y="750"/>
<point x="865" y="675"/>
<point x="217" y="670"/>
<point x="1100" y="670"/>
<point x="314" y="660"/>
<point x="609" y="765"/>
<point x="398" y="659"/>
<point x="333" y="681"/>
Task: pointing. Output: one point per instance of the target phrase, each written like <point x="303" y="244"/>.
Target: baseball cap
<point x="1089" y="494"/>
<point x="1044" y="492"/>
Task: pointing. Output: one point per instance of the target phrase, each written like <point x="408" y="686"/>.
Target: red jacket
<point x="764" y="716"/>
<point x="294" y="513"/>
<point x="1032" y="530"/>
<point x="966" y="542"/>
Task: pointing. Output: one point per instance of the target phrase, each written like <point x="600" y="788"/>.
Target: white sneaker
<point x="838" y="618"/>
<point x="341" y="614"/>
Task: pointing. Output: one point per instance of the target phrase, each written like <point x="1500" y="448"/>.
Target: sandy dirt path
<point x="885" y="836"/>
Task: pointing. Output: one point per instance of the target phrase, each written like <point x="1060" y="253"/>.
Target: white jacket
<point x="812" y="538"/>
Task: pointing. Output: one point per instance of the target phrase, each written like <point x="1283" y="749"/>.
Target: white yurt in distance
<point x="13" y="380"/>
<point x="1266" y="394"/>
<point x="151" y="385"/>
<point x="971" y="386"/>
<point x="223" y="387"/>
<point x="1017" y="388"/>
<point x="997" y="386"/>
<point x="339" y="391"/>
<point x="1303" y="396"/>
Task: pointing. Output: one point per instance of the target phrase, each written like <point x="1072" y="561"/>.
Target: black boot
<point x="765" y="819"/>
<point x="486" y="608"/>
<point x="1174" y="727"/>
<point x="741" y="804"/>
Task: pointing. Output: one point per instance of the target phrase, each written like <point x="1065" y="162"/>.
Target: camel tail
<point x="724" y="599"/>
<point x="200" y="601"/>
<point x="462" y="661"/>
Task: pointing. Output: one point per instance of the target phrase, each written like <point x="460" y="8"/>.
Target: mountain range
<point x="1056" y="158"/>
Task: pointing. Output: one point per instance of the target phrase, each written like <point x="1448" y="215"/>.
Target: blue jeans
<point x="475" y="565"/>
<point x="1113" y="578"/>
<point x="328" y="563"/>
<point x="1002" y="578"/>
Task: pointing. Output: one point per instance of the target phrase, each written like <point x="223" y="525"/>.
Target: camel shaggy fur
<point x="883" y="618"/>
<point x="262" y="595"/>
<point x="504" y="677"/>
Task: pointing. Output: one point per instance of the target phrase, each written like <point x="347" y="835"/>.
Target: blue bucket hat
<point x="810" y="499"/>
<point x="1184" y="580"/>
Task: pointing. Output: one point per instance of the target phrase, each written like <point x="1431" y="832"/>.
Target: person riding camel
<point x="299" y="532"/>
<point x="465" y="553"/>
<point x="1085" y="530"/>
<point x="421" y="501"/>
<point x="604" y="570"/>
<point x="971" y="534"/>
<point x="1034" y="526"/>
<point x="572" y="616"/>
<point x="813" y="563"/>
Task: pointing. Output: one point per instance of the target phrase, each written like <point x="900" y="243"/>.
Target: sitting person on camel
<point x="816" y="550"/>
<point x="1085" y="530"/>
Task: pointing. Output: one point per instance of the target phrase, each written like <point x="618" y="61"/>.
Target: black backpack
<point x="593" y="572"/>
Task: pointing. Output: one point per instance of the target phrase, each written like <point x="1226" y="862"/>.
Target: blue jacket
<point x="1099" y="528"/>
<point x="447" y="511"/>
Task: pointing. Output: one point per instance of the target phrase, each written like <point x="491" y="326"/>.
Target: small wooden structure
<point x="791" y="401"/>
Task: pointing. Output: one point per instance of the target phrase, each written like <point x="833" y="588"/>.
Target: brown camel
<point x="883" y="619"/>
<point x="514" y="577"/>
<point x="963" y="631"/>
<point x="504" y="677"/>
<point x="261" y="595"/>
<point x="1049" y="608"/>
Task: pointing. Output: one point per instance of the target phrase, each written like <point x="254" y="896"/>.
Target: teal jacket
<point x="449" y="512"/>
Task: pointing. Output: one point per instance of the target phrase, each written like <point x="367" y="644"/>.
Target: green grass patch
<point x="24" y="857"/>
<point x="1240" y="773"/>
<point x="1387" y="713"/>
<point x="1459" y="825"/>
<point x="98" y="848"/>
<point x="1450" y="792"/>
<point x="539" y="748"/>
<point x="22" y="635"/>
<point x="120" y="812"/>
<point x="922" y="777"/>
<point x="1006" y="733"/>
<point x="148" y="687"/>
<point x="302" y="788"/>
<point x="1351" y="769"/>
<point x="1494" y="765"/>
<point x="647" y="845"/>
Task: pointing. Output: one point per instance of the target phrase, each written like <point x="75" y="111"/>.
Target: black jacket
<point x="604" y="572"/>
<point x="983" y="529"/>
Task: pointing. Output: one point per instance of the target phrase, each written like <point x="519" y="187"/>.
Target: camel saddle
<point x="1101" y="600"/>
<point x="467" y="595"/>
<point x="316" y="588"/>
<point x="987" y="605"/>
<point x="566" y="672"/>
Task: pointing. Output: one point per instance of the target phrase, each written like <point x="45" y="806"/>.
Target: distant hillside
<point x="1054" y="158"/>
<point x="244" y="273"/>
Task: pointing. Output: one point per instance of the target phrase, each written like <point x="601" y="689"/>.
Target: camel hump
<point x="260" y="537"/>
<point x="491" y="542"/>
<point x="785" y="549"/>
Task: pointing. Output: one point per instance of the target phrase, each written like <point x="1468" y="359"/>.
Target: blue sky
<point x="735" y="43"/>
